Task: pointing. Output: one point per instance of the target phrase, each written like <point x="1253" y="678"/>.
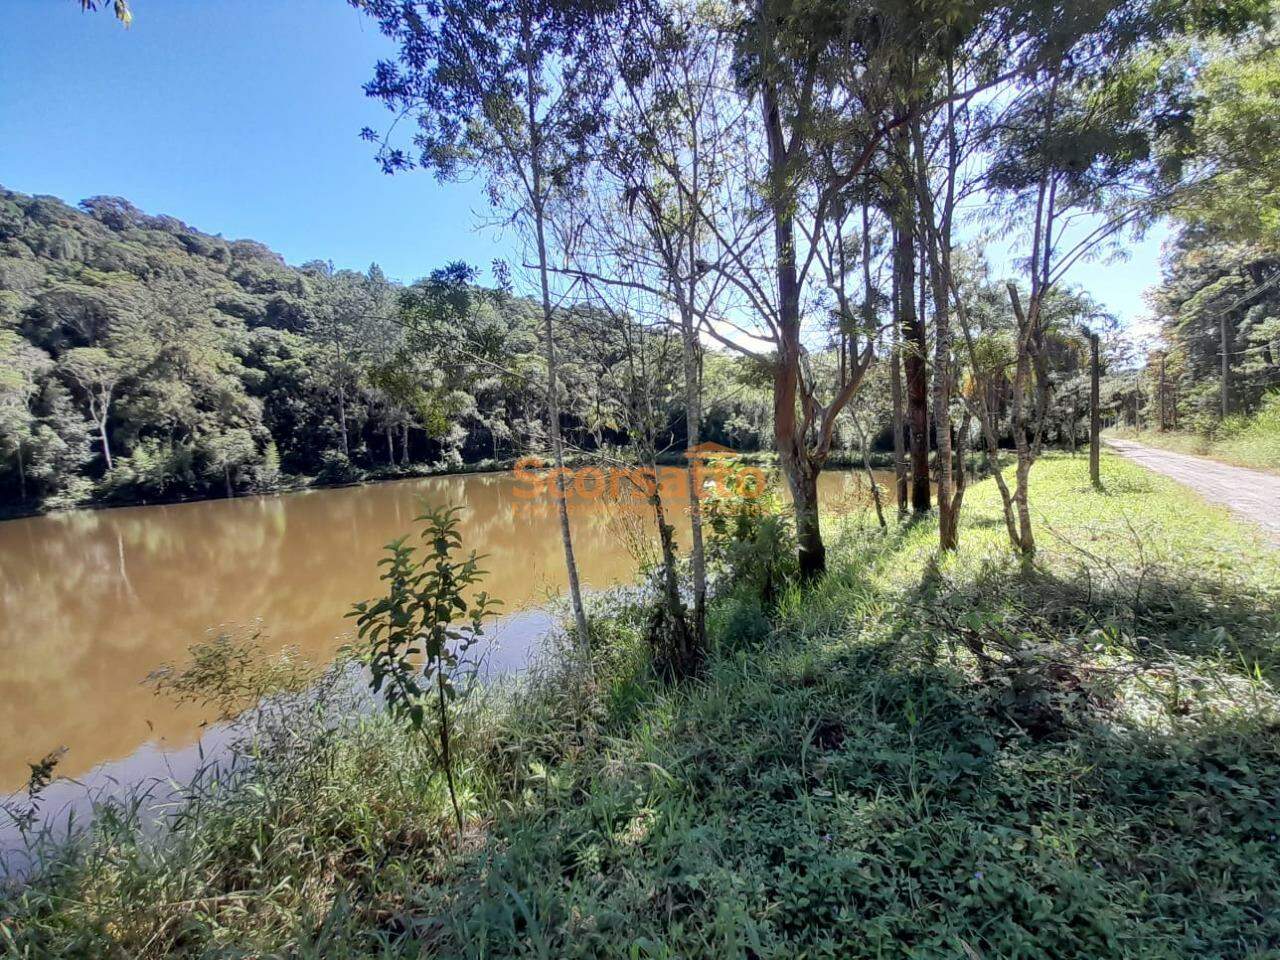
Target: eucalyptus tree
<point x="640" y="241"/>
<point x="838" y="88"/>
<point x="957" y="55"/>
<point x="807" y="74"/>
<point x="499" y="89"/>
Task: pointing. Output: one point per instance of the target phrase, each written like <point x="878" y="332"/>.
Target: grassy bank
<point x="911" y="759"/>
<point x="1244" y="441"/>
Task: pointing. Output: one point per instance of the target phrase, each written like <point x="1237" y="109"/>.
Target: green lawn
<point x="912" y="759"/>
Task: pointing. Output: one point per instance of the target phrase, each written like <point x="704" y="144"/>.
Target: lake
<point x="93" y="601"/>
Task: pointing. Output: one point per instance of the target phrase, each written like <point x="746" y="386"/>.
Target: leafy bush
<point x="750" y="538"/>
<point x="151" y="471"/>
<point x="1255" y="440"/>
<point x="335" y="468"/>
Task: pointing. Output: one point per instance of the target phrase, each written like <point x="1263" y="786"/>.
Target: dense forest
<point x="1214" y="371"/>
<point x="145" y="360"/>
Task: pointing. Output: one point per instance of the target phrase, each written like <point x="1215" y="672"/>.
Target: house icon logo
<point x="710" y="451"/>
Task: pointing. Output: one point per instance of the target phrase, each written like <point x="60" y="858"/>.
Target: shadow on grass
<point x="867" y="789"/>
<point x="991" y="762"/>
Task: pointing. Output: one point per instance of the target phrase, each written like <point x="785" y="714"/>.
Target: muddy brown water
<point x="91" y="602"/>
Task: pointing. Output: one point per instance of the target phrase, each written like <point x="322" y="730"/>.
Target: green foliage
<point x="1233" y="152"/>
<point x="750" y="538"/>
<point x="184" y="348"/>
<point x="336" y="468"/>
<point x="149" y="472"/>
<point x="419" y="633"/>
<point x="1249" y="441"/>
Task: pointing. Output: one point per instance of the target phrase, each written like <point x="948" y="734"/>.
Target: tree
<point x="95" y="375"/>
<point x="420" y="632"/>
<point x="1230" y="162"/>
<point x="496" y="87"/>
<point x="783" y="219"/>
<point x="22" y="366"/>
<point x="348" y="310"/>
<point x="228" y="453"/>
<point x="1095" y="412"/>
<point x="639" y="236"/>
<point x="119" y="7"/>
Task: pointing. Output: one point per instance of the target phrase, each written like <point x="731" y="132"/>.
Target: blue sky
<point x="241" y="117"/>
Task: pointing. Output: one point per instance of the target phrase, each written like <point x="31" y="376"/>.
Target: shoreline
<point x="302" y="484"/>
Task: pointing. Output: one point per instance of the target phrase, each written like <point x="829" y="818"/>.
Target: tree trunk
<point x="916" y="346"/>
<point x="786" y="380"/>
<point x="693" y="416"/>
<point x="404" y="443"/>
<point x="342" y="420"/>
<point x="1164" y="418"/>
<point x="937" y="242"/>
<point x="871" y="477"/>
<point x="948" y="527"/>
<point x="446" y="757"/>
<point x="553" y="399"/>
<point x="813" y="553"/>
<point x="899" y="444"/>
<point x="226" y="477"/>
<point x="1095" y="411"/>
<point x="22" y="474"/>
<point x="1025" y="540"/>
<point x="106" y="444"/>
<point x="391" y="447"/>
<point x="683" y="656"/>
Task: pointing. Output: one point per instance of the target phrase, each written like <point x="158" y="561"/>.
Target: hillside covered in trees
<point x="146" y="360"/>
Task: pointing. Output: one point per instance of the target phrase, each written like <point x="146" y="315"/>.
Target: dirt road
<point x="1250" y="494"/>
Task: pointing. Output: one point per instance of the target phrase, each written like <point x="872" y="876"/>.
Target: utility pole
<point x="1095" y="413"/>
<point x="1163" y="418"/>
<point x="1226" y="367"/>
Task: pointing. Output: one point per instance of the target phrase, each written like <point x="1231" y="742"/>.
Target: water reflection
<point x="91" y="602"/>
